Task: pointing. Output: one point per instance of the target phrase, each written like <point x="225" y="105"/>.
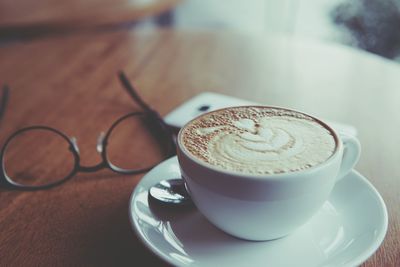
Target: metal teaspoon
<point x="170" y="191"/>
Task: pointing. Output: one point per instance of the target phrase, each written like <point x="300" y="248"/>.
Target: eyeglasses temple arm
<point x="132" y="92"/>
<point x="3" y="101"/>
<point x="135" y="96"/>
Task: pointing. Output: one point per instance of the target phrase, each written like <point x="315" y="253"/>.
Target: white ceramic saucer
<point x="345" y="232"/>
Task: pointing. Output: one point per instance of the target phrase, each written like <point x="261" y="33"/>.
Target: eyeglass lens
<point x="134" y="144"/>
<point x="38" y="157"/>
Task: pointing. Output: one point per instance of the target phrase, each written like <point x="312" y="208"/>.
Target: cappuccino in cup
<point x="259" y="140"/>
<point x="259" y="173"/>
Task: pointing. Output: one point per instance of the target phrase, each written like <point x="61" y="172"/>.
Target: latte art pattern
<point x="259" y="140"/>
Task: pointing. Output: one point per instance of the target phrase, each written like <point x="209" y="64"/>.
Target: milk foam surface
<point x="258" y="140"/>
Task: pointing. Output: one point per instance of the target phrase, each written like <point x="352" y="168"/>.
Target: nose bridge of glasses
<point x="99" y="147"/>
<point x="94" y="168"/>
<point x="99" y="144"/>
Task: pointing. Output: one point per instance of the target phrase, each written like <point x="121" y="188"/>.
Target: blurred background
<point x="371" y="25"/>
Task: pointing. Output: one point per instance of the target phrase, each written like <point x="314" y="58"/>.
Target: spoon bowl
<point x="170" y="191"/>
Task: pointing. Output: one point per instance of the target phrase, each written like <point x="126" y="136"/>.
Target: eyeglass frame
<point x="148" y="112"/>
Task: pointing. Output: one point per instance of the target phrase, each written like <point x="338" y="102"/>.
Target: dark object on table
<point x="374" y="24"/>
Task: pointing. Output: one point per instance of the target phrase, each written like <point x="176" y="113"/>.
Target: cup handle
<point x="351" y="154"/>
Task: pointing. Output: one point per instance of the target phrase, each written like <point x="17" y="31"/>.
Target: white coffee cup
<point x="268" y="207"/>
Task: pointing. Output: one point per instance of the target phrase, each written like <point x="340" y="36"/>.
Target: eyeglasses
<point x="40" y="157"/>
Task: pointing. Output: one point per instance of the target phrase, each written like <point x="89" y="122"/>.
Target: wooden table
<point x="70" y="83"/>
<point x="22" y="17"/>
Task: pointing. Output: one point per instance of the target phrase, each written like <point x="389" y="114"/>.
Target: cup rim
<point x="272" y="176"/>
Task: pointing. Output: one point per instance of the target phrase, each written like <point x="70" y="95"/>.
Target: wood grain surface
<point x="50" y="15"/>
<point x="70" y="83"/>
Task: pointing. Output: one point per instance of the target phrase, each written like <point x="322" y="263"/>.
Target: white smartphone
<point x="209" y="101"/>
